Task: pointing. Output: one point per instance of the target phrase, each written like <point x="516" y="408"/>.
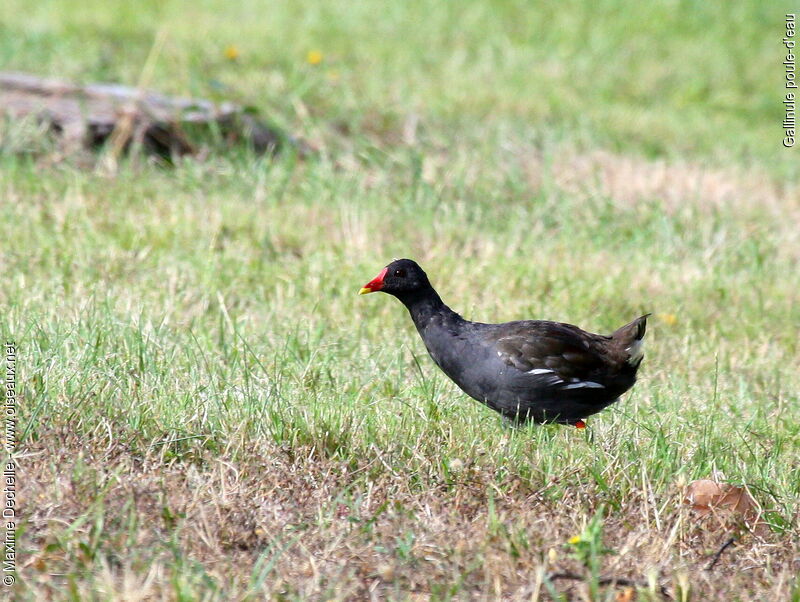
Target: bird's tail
<point x="631" y="339"/>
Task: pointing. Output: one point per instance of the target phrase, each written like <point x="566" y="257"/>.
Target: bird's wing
<point x="560" y="355"/>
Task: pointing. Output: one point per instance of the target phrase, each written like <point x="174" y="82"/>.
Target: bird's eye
<point x="400" y="273"/>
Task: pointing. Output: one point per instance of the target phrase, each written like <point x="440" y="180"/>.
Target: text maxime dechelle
<point x="10" y="468"/>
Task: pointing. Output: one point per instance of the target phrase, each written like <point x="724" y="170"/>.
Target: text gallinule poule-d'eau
<point x="526" y="370"/>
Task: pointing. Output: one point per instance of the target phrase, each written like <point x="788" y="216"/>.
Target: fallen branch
<point x="718" y="555"/>
<point x="608" y="581"/>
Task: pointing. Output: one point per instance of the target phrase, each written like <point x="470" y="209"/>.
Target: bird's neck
<point x="424" y="305"/>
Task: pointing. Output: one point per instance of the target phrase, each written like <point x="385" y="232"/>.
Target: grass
<point x="209" y="411"/>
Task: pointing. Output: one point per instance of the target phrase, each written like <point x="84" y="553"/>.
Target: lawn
<point x="208" y="410"/>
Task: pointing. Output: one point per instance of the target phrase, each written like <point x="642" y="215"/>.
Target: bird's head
<point x="402" y="277"/>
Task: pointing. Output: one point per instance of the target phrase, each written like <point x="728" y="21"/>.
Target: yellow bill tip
<point x="365" y="290"/>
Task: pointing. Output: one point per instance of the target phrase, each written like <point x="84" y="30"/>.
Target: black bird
<point x="545" y="372"/>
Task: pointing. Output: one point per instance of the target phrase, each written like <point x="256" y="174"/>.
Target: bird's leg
<point x="509" y="423"/>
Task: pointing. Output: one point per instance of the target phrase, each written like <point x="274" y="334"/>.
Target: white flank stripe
<point x="586" y="384"/>
<point x="540" y="371"/>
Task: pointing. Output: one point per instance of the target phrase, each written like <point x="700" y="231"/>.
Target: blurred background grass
<point x="663" y="78"/>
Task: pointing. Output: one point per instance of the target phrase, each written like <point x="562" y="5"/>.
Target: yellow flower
<point x="668" y="319"/>
<point x="574" y="540"/>
<point x="231" y="52"/>
<point x="314" y="57"/>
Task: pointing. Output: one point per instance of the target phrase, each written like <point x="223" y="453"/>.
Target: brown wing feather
<point x="565" y="349"/>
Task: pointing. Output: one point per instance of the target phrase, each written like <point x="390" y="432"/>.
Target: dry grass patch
<point x="295" y="524"/>
<point x="631" y="179"/>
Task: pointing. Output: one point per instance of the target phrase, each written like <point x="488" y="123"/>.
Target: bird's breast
<point x="470" y="365"/>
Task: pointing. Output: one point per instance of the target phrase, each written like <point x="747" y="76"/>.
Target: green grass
<point x="209" y="409"/>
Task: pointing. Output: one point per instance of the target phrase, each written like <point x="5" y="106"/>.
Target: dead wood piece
<point x="88" y="115"/>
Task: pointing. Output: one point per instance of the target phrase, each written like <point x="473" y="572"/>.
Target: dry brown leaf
<point x="626" y="595"/>
<point x="706" y="495"/>
<point x="728" y="504"/>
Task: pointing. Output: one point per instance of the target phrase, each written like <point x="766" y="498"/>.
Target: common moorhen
<point x="526" y="370"/>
